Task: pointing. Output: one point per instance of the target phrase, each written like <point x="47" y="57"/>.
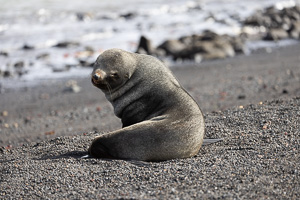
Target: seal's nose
<point x="96" y="77"/>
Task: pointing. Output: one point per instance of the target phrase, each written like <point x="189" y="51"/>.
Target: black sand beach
<point x="252" y="102"/>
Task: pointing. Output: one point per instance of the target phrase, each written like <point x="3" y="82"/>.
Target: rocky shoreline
<point x="271" y="24"/>
<point x="70" y="106"/>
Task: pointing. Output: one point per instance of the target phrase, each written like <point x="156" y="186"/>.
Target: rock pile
<point x="279" y="24"/>
<point x="207" y="45"/>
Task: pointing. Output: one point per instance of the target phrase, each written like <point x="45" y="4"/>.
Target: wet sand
<point x="252" y="102"/>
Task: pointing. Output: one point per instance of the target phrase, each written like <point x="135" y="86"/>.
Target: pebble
<point x="19" y="64"/>
<point x="27" y="47"/>
<point x="72" y="86"/>
<point x="4" y="53"/>
<point x="66" y="44"/>
<point x="4" y="113"/>
<point x="50" y="133"/>
<point x="43" y="56"/>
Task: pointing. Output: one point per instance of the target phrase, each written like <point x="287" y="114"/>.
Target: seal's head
<point x="112" y="69"/>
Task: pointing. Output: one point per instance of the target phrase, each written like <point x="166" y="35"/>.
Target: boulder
<point x="145" y="46"/>
<point x="276" y="34"/>
<point x="294" y="31"/>
<point x="172" y="47"/>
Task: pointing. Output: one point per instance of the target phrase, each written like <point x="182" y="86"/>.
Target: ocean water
<point x="101" y="25"/>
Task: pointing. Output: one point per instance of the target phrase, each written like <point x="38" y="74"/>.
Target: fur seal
<point x="161" y="121"/>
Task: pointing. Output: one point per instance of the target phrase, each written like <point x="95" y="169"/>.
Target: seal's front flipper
<point x="210" y="141"/>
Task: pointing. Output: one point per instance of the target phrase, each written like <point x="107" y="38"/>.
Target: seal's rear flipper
<point x="86" y="156"/>
<point x="210" y="141"/>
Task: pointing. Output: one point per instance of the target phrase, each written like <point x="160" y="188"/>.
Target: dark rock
<point x="285" y="91"/>
<point x="85" y="63"/>
<point x="280" y="24"/>
<point x="172" y="47"/>
<point x="27" y="120"/>
<point x="141" y="51"/>
<point x="293" y="13"/>
<point x="294" y="31"/>
<point x="83" y="16"/>
<point x="276" y="34"/>
<point x="208" y="45"/>
<point x="89" y="49"/>
<point x="145" y="45"/>
<point x="160" y="53"/>
<point x="43" y="56"/>
<point x="242" y="96"/>
<point x="4" y="53"/>
<point x="21" y="72"/>
<point x="225" y="46"/>
<point x="128" y="16"/>
<point x="27" y="47"/>
<point x="66" y="44"/>
<point x="216" y="54"/>
<point x="258" y="19"/>
<point x="187" y="40"/>
<point x="7" y="73"/>
<point x="19" y="64"/>
<point x="208" y="36"/>
<point x="106" y="17"/>
<point x="61" y="69"/>
<point x="217" y="49"/>
<point x="238" y="45"/>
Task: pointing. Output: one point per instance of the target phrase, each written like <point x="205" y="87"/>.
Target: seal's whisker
<point x="109" y="90"/>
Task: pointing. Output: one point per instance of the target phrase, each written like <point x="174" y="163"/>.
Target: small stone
<point x="19" y="64"/>
<point x="85" y="63"/>
<point x="16" y="125"/>
<point x="66" y="44"/>
<point x="7" y="73"/>
<point x="72" y="86"/>
<point x="89" y="49"/>
<point x="50" y="133"/>
<point x="242" y="96"/>
<point x="128" y="16"/>
<point x="98" y="109"/>
<point x="43" y="56"/>
<point x="27" y="120"/>
<point x="3" y="53"/>
<point x="27" y="47"/>
<point x="4" y="113"/>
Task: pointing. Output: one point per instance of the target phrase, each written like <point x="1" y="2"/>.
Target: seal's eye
<point x="114" y="75"/>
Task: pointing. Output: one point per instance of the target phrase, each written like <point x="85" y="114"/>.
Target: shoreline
<point x="50" y="110"/>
